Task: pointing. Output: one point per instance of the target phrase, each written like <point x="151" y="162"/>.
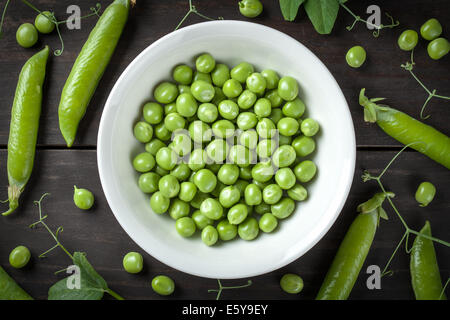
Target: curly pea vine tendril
<point x="376" y="32"/>
<point x="409" y="66"/>
<point x="54" y="235"/>
<point x="193" y="9"/>
<point x="221" y="288"/>
<point x="367" y="177"/>
<point x="3" y="17"/>
<point x="95" y="12"/>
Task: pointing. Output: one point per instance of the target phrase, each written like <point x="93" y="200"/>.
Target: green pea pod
<point x="89" y="67"/>
<point x="352" y="253"/>
<point x="425" y="276"/>
<point x="407" y="130"/>
<point x="24" y="125"/>
<point x="9" y="289"/>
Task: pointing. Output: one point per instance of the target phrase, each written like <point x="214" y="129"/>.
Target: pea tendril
<point x="221" y="288"/>
<point x="95" y="12"/>
<point x="366" y="177"/>
<point x="3" y="17"/>
<point x="376" y="32"/>
<point x="193" y="9"/>
<point x="443" y="289"/>
<point x="409" y="66"/>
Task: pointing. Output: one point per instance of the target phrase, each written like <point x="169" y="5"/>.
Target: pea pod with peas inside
<point x="24" y="126"/>
<point x="90" y="66"/>
<point x="353" y="250"/>
<point x="407" y="130"/>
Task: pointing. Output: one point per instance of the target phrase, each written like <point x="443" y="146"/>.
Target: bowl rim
<point x="349" y="174"/>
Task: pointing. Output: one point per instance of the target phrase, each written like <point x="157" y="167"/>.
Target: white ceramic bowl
<point x="230" y="42"/>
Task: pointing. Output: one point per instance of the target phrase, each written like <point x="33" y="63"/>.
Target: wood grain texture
<point x="99" y="235"/>
<point x="150" y="20"/>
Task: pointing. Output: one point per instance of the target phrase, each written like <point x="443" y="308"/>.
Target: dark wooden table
<point x="98" y="234"/>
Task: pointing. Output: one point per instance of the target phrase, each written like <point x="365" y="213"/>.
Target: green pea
<point x="284" y="156"/>
<point x="262" y="185"/>
<point x="438" y="48"/>
<point x="229" y="196"/>
<point x="174" y="121"/>
<point x="263" y="108"/>
<point x="288" y="88"/>
<point x="214" y="167"/>
<point x="205" y="63"/>
<point x="182" y="89"/>
<point x="226" y="230"/>
<point x="291" y="283"/>
<point x="197" y="159"/>
<point x="26" y="35"/>
<point x="283" y="208"/>
<point x="271" y="77"/>
<point x="242" y="71"/>
<point x="218" y="96"/>
<point x="182" y="74"/>
<point x="232" y="88"/>
<point x="148" y="182"/>
<point x="294" y="109"/>
<point x="246" y="99"/>
<point x="143" y="132"/>
<point x="237" y="213"/>
<point x="44" y="22"/>
<point x="355" y="56"/>
<point x="241" y="185"/>
<point x="309" y="127"/>
<point x="303" y="146"/>
<point x="185" y="227"/>
<point x="248" y="229"/>
<point x="205" y="180"/>
<point x="165" y="92"/>
<point x="246" y="120"/>
<point x="198" y="199"/>
<point x="265" y="128"/>
<point x="263" y="171"/>
<point x="163" y="285"/>
<point x="408" y="40"/>
<point x="240" y="155"/>
<point x="188" y="190"/>
<point x="288" y="126"/>
<point x="228" y="109"/>
<point x="212" y="209"/>
<point x="161" y="171"/>
<point x="285" y="178"/>
<point x="166" y="158"/>
<point x="249" y="139"/>
<point x="210" y="235"/>
<point x="431" y="29"/>
<point x="200" y="132"/>
<point x="169" y="186"/>
<point x="305" y="170"/>
<point x="297" y="192"/>
<point x="228" y="174"/>
<point x="272" y="194"/>
<point x="202" y="76"/>
<point x="200" y="220"/>
<point x="425" y="193"/>
<point x="274" y="97"/>
<point x="154" y="145"/>
<point x="144" y="162"/>
<point x="283" y="140"/>
<point x="181" y="143"/>
<point x="186" y="105"/>
<point x="202" y="91"/>
<point x="223" y="128"/>
<point x="220" y="75"/>
<point x="181" y="172"/>
<point x="276" y="115"/>
<point x="18" y="258"/>
<point x="178" y="209"/>
<point x="262" y="208"/>
<point x="153" y="112"/>
<point x="133" y="262"/>
<point x="245" y="173"/>
<point x="265" y="148"/>
<point x="256" y="83"/>
<point x="253" y="195"/>
<point x="250" y="8"/>
<point x="268" y="222"/>
<point x="159" y="203"/>
<point x="207" y="112"/>
<point x="217" y="150"/>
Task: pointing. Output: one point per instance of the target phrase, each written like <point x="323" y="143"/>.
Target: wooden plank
<point x="97" y="233"/>
<point x="150" y="20"/>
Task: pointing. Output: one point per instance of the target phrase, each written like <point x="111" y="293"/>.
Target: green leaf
<point x="323" y="14"/>
<point x="289" y="8"/>
<point x="92" y="285"/>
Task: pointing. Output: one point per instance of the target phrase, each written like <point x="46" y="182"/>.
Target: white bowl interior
<point x="229" y="42"/>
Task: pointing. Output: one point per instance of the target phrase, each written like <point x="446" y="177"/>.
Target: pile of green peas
<point x="225" y="150"/>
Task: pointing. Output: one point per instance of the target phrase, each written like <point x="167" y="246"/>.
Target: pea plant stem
<point x="193" y="9"/>
<point x="409" y="66"/>
<point x="366" y="177"/>
<point x="115" y="294"/>
<point x="221" y="288"/>
<point x="377" y="28"/>
<point x="3" y="17"/>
